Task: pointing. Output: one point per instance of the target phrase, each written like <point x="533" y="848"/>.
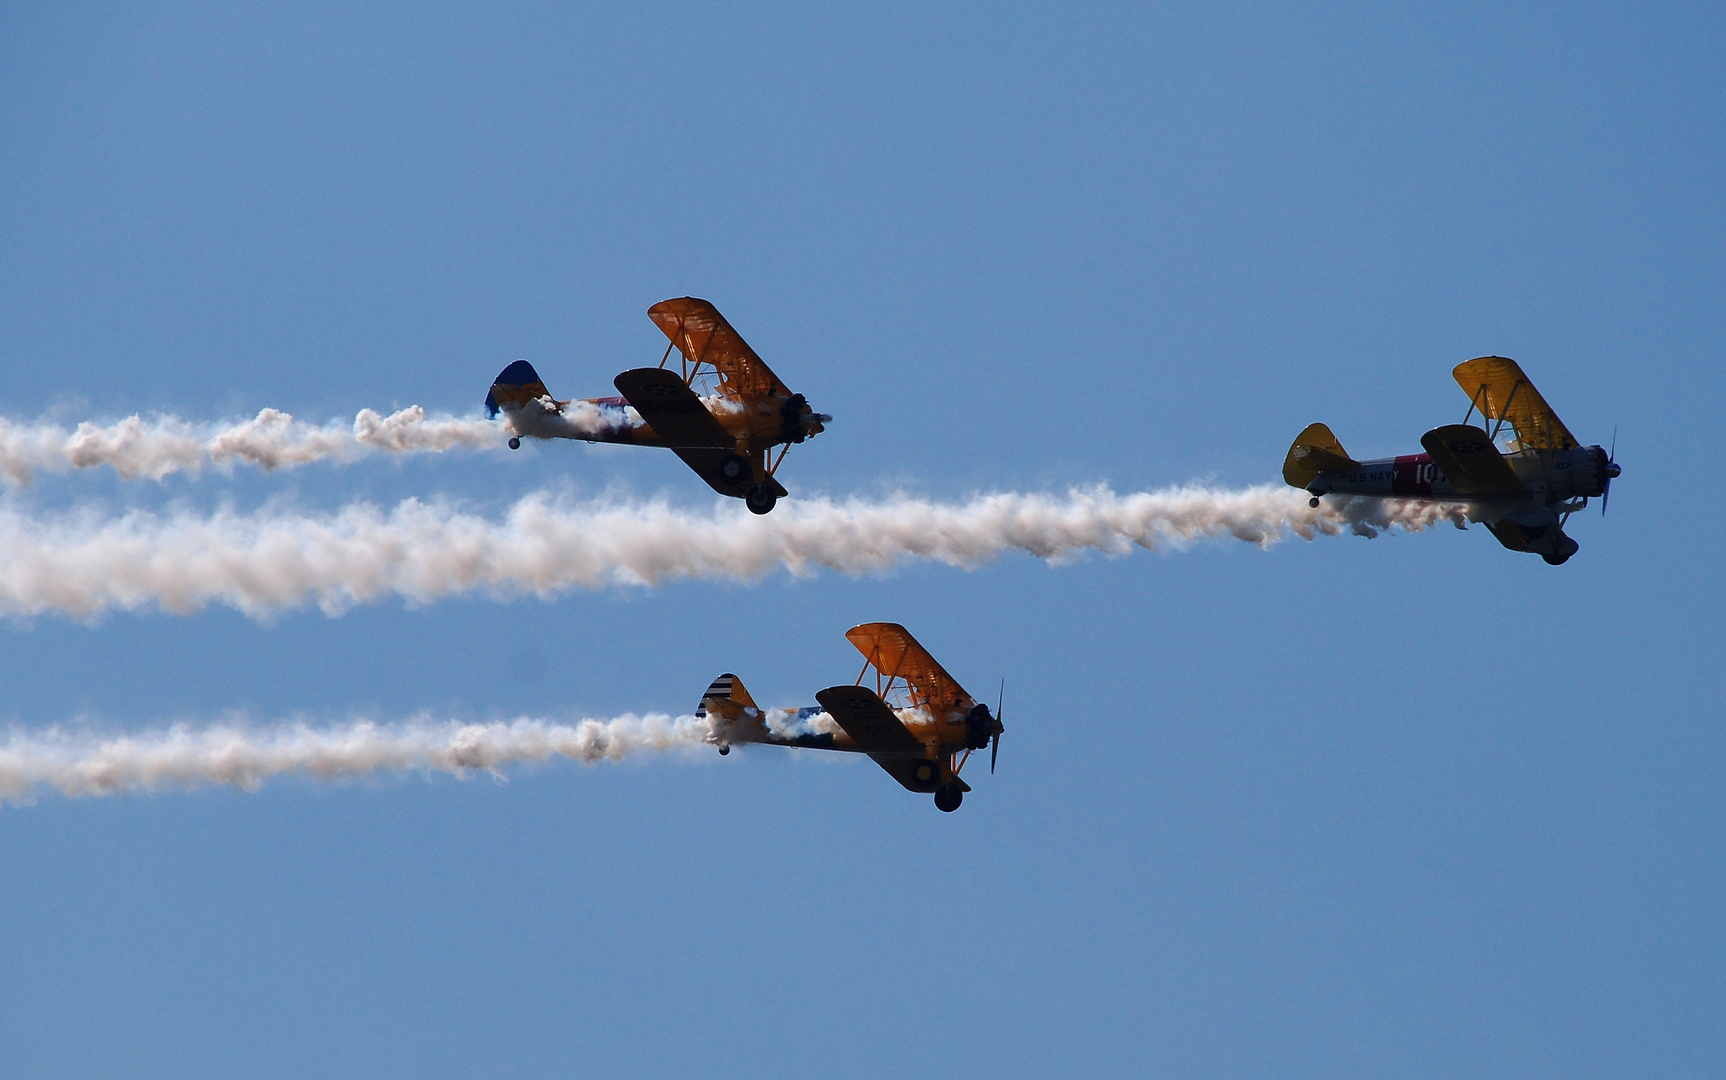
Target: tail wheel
<point x="514" y="443"/>
<point x="948" y="797"/>
<point x="733" y="470"/>
<point x="761" y="499"/>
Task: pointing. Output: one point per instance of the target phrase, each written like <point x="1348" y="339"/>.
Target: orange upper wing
<point x="704" y="337"/>
<point x="1502" y="392"/>
<point x="896" y="654"/>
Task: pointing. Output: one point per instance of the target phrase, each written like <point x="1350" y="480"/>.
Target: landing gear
<point x="723" y="750"/>
<point x="1313" y="502"/>
<point x="514" y="443"/>
<point x="761" y="499"/>
<point x="948" y="797"/>
<point x="1565" y="550"/>
<point x="733" y="469"/>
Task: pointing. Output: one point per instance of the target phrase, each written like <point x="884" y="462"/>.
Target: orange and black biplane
<point x="726" y="434"/>
<point x="1523" y="490"/>
<point x="917" y="722"/>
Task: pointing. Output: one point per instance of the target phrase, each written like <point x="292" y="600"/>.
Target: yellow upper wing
<point x="896" y="654"/>
<point x="704" y="337"/>
<point x="1502" y="392"/>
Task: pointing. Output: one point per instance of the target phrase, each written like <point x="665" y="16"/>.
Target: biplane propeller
<point x="1523" y="492"/>
<point x="726" y="436"/>
<point x="916" y="722"/>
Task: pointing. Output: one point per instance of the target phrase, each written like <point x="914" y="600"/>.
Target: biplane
<point x="1523" y="488"/>
<point x="916" y="722"/>
<point x="726" y="434"/>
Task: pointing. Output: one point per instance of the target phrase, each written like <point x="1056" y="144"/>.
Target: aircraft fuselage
<point x="810" y="727"/>
<point x="756" y="425"/>
<point x="1551" y="476"/>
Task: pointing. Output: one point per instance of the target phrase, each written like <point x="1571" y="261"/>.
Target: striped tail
<point x="728" y="695"/>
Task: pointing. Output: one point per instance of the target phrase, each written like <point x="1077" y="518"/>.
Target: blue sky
<point x="1411" y="806"/>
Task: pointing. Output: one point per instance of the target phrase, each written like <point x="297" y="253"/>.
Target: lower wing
<point x="683" y="423"/>
<point x="1470" y="462"/>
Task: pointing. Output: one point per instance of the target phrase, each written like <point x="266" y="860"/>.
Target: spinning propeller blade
<point x="995" y="740"/>
<point x="1612" y="471"/>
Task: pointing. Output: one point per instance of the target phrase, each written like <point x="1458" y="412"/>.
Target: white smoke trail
<point x="152" y="449"/>
<point x="574" y="420"/>
<point x="78" y="763"/>
<point x="84" y="563"/>
<point x="792" y="723"/>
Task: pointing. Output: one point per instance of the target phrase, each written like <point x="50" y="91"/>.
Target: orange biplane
<point x="726" y="435"/>
<point x="917" y="723"/>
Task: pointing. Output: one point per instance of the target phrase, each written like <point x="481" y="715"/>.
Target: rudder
<point x="728" y="696"/>
<point x="1315" y="450"/>
<point x="515" y="386"/>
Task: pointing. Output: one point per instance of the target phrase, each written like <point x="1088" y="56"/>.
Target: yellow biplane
<point x="917" y="722"/>
<point x="726" y="435"/>
<point x="1523" y="490"/>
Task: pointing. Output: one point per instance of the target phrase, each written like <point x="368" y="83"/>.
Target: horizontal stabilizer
<point x="1315" y="450"/>
<point x="1470" y="462"/>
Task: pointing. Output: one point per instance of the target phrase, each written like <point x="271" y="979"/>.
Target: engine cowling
<point x="1588" y="473"/>
<point x="791" y="418"/>
<point x="979" y="727"/>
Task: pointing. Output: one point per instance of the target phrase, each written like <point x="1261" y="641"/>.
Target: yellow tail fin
<point x="1315" y="450"/>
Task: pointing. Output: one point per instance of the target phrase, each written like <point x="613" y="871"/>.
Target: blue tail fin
<point x="514" y="386"/>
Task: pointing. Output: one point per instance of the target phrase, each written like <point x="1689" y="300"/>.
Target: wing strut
<point x="1504" y="413"/>
<point x="1474" y="401"/>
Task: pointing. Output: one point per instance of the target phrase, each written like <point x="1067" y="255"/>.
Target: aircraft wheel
<point x="948" y="797"/>
<point x="723" y="750"/>
<point x="1563" y="554"/>
<point x="733" y="469"/>
<point x="761" y="499"/>
<point x="514" y="443"/>
<point x="1313" y="502"/>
